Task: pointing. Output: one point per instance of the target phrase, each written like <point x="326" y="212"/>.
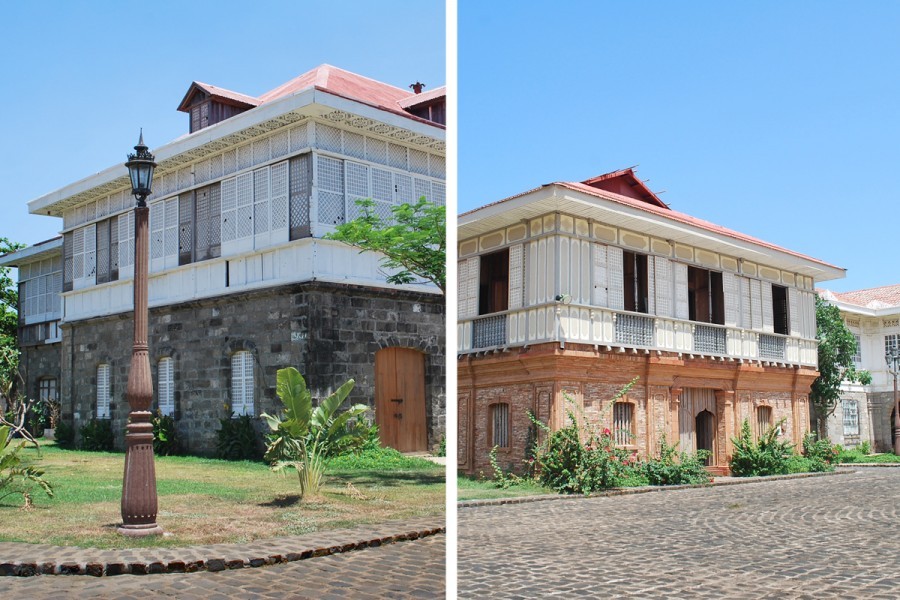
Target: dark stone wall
<point x="329" y="332"/>
<point x="37" y="362"/>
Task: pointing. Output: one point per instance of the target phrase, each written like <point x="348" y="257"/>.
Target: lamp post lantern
<point x="139" y="503"/>
<point x="892" y="358"/>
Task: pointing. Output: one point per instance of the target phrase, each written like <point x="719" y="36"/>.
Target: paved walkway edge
<point x="215" y="562"/>
<point x="644" y="490"/>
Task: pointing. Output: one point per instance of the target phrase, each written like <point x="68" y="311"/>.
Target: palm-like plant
<point x="305" y="437"/>
<point x="11" y="469"/>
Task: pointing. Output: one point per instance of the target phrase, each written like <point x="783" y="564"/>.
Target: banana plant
<point x="11" y="469"/>
<point x="303" y="437"/>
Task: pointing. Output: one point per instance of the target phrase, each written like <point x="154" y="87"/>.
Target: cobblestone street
<point x="412" y="569"/>
<point x="822" y="537"/>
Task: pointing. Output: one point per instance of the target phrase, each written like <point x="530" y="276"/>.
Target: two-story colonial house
<point x="242" y="281"/>
<point x="866" y="413"/>
<point x="573" y="290"/>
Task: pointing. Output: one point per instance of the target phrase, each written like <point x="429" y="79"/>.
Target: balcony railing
<point x="634" y="330"/>
<point x="489" y="332"/>
<point x="709" y="339"/>
<point x="771" y="347"/>
<point x="590" y="325"/>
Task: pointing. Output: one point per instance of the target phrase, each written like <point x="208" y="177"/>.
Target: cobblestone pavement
<point x="410" y="569"/>
<point x="822" y="537"/>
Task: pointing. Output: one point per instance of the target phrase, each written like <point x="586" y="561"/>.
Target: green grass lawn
<point x="472" y="489"/>
<point x="205" y="501"/>
<point x="858" y="457"/>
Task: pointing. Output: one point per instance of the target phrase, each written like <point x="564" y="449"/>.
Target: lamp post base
<point x="139" y="530"/>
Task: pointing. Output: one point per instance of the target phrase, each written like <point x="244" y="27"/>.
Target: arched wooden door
<point x="400" y="399"/>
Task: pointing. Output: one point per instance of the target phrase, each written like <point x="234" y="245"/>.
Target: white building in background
<point x="865" y="413"/>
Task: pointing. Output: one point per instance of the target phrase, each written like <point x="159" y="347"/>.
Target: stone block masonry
<point x="329" y="332"/>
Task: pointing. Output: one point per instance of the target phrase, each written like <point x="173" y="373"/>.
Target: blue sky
<point x="80" y="78"/>
<point x="778" y="119"/>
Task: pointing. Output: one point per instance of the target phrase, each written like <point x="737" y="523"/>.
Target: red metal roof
<point x="417" y="99"/>
<point x="625" y="182"/>
<point x="878" y="297"/>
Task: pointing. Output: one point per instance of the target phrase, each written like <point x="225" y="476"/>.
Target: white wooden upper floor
<point x="244" y="203"/>
<point x="572" y="263"/>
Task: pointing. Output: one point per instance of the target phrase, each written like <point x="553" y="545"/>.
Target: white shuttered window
<point x="165" y="386"/>
<point x="242" y="383"/>
<point x="103" y="391"/>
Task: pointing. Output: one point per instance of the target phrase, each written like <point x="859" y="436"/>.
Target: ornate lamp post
<point x="139" y="504"/>
<point x="892" y="358"/>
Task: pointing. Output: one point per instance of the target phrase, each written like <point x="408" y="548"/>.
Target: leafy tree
<point x="413" y="240"/>
<point x="837" y="345"/>
<point x="9" y="298"/>
<point x="305" y="438"/>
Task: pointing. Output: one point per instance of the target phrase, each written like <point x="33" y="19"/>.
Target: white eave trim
<point x="265" y="112"/>
<point x="32" y="253"/>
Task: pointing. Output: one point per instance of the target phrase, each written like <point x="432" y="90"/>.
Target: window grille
<point x="244" y="156"/>
<point x="261" y="200"/>
<point x="771" y="347"/>
<point x="489" y="332"/>
<point x="242" y="383"/>
<point x="423" y="188"/>
<point x="300" y="182"/>
<point x="328" y="138"/>
<point x="857" y="357"/>
<point x="439" y="191"/>
<point x="330" y="180"/>
<point x="39" y="287"/>
<point x="103" y="391"/>
<point x="403" y="188"/>
<point x="763" y="420"/>
<point x="243" y="193"/>
<point x="300" y="137"/>
<point x="397" y="157"/>
<point x="126" y="239"/>
<point x="354" y="145"/>
<point x="623" y="423"/>
<point x="279" y="196"/>
<point x="261" y="151"/>
<point x="850" y="408"/>
<point x="78" y="253"/>
<point x="500" y="425"/>
<point x="376" y="151"/>
<point x="891" y="342"/>
<point x="437" y="166"/>
<point x="634" y="330"/>
<point x="166" y="386"/>
<point x="357" y="186"/>
<point x="709" y="339"/>
<point x="47" y="390"/>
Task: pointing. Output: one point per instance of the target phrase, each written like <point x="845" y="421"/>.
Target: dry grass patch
<point x="206" y="501"/>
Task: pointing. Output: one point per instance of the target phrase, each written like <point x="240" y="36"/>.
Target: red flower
<point x="606" y="431"/>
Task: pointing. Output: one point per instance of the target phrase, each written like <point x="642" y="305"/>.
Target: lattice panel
<point x="437" y="166"/>
<point x="439" y="191"/>
<point x="229" y="162"/>
<point x="300" y="137"/>
<point x="157" y="229"/>
<point x="357" y="181"/>
<point x="244" y="156"/>
<point x="418" y="161"/>
<point x="186" y="222"/>
<point x="330" y="175"/>
<point x="103" y="252"/>
<point x="663" y="286"/>
<point x="244" y="213"/>
<point x="215" y="167"/>
<point x="90" y="250"/>
<point x="184" y="179"/>
<point x="376" y="151"/>
<point x="126" y="239"/>
<point x="328" y="138"/>
<point x="102" y="207"/>
<point x="171" y="233"/>
<point x="331" y="208"/>
<point x="516" y="275"/>
<point x="404" y="189"/>
<point x="279" y="144"/>
<point x="382" y="185"/>
<point x="261" y="200"/>
<point x="616" y="275"/>
<point x="354" y="145"/>
<point x="78" y="253"/>
<point x="261" y="151"/>
<point x="397" y="157"/>
<point x="114" y="245"/>
<point x="300" y="183"/>
<point x="423" y="188"/>
<point x="90" y="211"/>
<point x="68" y="251"/>
<point x="201" y="172"/>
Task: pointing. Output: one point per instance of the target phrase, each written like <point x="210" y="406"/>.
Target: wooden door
<point x="400" y="399"/>
<point x="706" y="434"/>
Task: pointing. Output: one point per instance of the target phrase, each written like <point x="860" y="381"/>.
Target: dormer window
<point x="207" y="105"/>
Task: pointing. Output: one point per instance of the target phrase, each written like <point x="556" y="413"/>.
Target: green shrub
<point x="799" y="464"/>
<point x="578" y="459"/>
<point x="97" y="435"/>
<point x="766" y="456"/>
<point x="674" y="468"/>
<point x="65" y="434"/>
<point x="377" y="459"/>
<point x="165" y="435"/>
<point x="819" y="453"/>
<point x="238" y="439"/>
<point x="442" y="448"/>
<point x="865" y="448"/>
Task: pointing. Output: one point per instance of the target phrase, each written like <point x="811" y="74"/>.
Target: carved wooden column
<point x="725" y="406"/>
<point x="674" y="414"/>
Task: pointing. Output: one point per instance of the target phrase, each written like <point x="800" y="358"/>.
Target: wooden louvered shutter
<point x="767" y="312"/>
<point x="103" y="251"/>
<point x="601" y="278"/>
<point x="731" y="290"/>
<point x="746" y="312"/>
<point x="467" y="304"/>
<point x="90" y="253"/>
<point x="794" y="320"/>
<point x="663" y="286"/>
<point x="186" y="226"/>
<point x="516" y="276"/>
<point x="616" y="274"/>
<point x="756" y="310"/>
<point x="682" y="307"/>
